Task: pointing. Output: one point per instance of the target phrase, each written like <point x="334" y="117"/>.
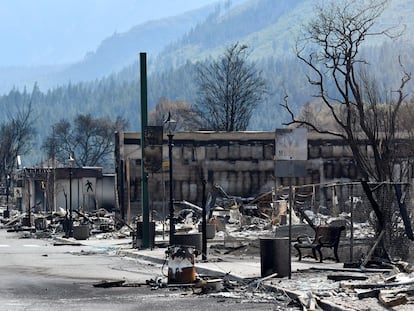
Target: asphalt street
<point x="35" y="274"/>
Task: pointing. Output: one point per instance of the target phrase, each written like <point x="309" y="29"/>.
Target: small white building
<point x="46" y="189"/>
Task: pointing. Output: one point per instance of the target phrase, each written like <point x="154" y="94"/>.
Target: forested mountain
<point x="113" y="54"/>
<point x="174" y="47"/>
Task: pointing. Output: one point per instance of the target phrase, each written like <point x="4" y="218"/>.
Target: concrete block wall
<point x="242" y="163"/>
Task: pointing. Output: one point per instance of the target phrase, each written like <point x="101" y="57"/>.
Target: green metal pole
<point x="144" y="175"/>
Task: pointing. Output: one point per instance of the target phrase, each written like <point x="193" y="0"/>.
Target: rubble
<point x="239" y="224"/>
<point x="107" y="284"/>
<point x="100" y="221"/>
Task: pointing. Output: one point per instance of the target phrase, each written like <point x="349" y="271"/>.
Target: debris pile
<point x="100" y="223"/>
<point x="350" y="289"/>
<point x="238" y="225"/>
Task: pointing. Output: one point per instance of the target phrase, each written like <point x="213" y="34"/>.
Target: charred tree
<point x="365" y="116"/>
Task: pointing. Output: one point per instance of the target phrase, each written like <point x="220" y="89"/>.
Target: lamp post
<point x="170" y="125"/>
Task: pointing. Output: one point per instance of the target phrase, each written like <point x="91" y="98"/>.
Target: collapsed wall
<point x="242" y="163"/>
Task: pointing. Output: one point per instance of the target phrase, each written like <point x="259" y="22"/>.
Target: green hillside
<point x="268" y="27"/>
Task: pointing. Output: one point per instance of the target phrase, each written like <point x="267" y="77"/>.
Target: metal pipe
<point x="171" y="205"/>
<point x="70" y="203"/>
<point x="144" y="174"/>
<point x="204" y="220"/>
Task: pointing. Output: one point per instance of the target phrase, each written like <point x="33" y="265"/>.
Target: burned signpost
<point x="291" y="153"/>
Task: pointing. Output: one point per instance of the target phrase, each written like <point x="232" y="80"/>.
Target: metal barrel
<point x="193" y="240"/>
<point x="181" y="268"/>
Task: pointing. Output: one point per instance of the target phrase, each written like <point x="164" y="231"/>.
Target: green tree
<point x="229" y="89"/>
<point x="89" y="141"/>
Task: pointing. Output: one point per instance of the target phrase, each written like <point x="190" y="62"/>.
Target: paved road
<point x="36" y="275"/>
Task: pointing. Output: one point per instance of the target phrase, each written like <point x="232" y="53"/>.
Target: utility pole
<point x="144" y="175"/>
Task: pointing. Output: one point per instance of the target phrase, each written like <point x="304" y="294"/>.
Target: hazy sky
<point x="42" y="32"/>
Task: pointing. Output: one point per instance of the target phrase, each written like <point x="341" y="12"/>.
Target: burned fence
<point x="348" y="204"/>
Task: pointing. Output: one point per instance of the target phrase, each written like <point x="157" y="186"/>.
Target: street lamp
<point x="170" y="127"/>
